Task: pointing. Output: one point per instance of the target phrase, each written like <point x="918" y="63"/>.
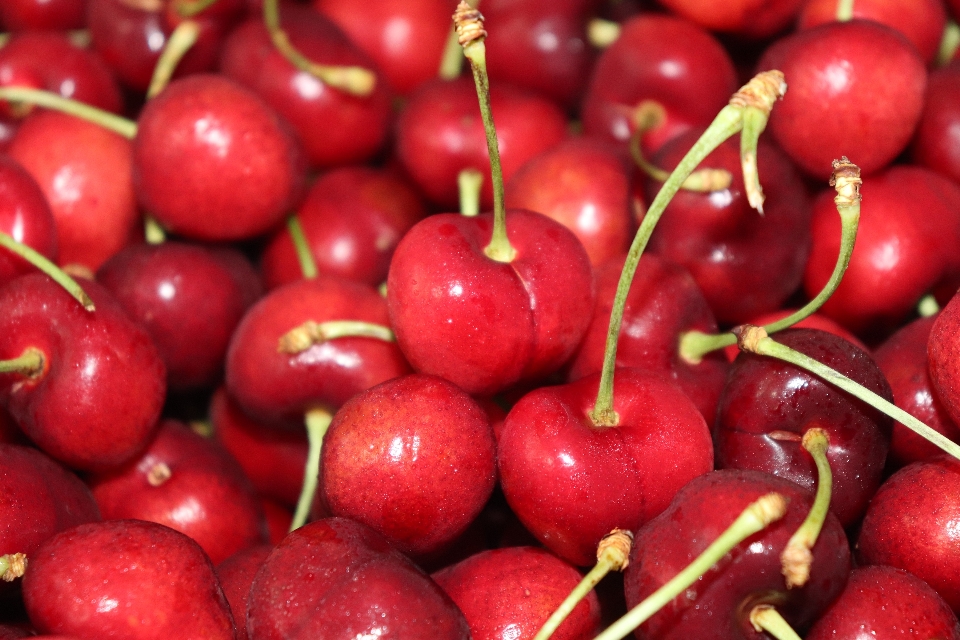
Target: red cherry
<point x="25" y="216"/>
<point x="236" y="574"/>
<point x="943" y="347"/>
<point x="54" y="15"/>
<point x="237" y="167"/>
<point x="935" y="144"/>
<point x="751" y="18"/>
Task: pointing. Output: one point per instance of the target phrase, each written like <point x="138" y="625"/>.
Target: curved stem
<point x="797" y="556"/>
<point x="28" y="364"/>
<point x="38" y="260"/>
<point x="754" y="122"/>
<point x="451" y="63"/>
<point x="117" y="124"/>
<point x="317" y="421"/>
<point x="469" y="182"/>
<point x="755" y="340"/>
<point x="310" y="333"/>
<point x="764" y="617"/>
<point x="353" y="80"/>
<point x="178" y="44"/>
<point x="308" y="266"/>
<point x="756" y="517"/>
<point x="701" y="180"/>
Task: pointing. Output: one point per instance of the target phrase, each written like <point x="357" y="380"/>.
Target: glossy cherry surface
<point x="25" y="216"/>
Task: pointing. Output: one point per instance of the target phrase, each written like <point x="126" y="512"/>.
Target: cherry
<point x="813" y="321"/>
<point x="125" y="577"/>
<point x="353" y="219"/>
<point x="886" y="602"/>
<point x="583" y="184"/>
<point x="189" y="298"/>
<point x="189" y="484"/>
<point x="25" y="216"/>
<point x="413" y="458"/>
<point x="236" y="575"/>
<point x="54" y="15"/>
<point x="93" y="400"/>
<point x="750" y="18"/>
<point x="678" y="69"/>
<point x="719" y="603"/>
<point x="847" y="81"/>
<point x="942" y="349"/>
<point x="85" y="171"/>
<point x="334" y="127"/>
<point x="571" y="481"/>
<point x="511" y="592"/>
<point x="910" y="524"/>
<point x="935" y="142"/>
<point x="337" y="578"/>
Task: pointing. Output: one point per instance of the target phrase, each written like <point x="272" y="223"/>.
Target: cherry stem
<point x="469" y="25"/>
<point x="111" y="121"/>
<point x="451" y="63"/>
<point x="928" y="306"/>
<point x="301" y="338"/>
<point x="308" y="266"/>
<point x="797" y="556"/>
<point x="949" y="43"/>
<point x="756" y="517"/>
<point x="351" y="79"/>
<point x="469" y="182"/>
<point x="602" y="33"/>
<point x="764" y="617"/>
<point x="613" y="554"/>
<point x="754" y="122"/>
<point x="190" y="8"/>
<point x="178" y="44"/>
<point x="12" y="566"/>
<point x="317" y="421"/>
<point x="43" y="264"/>
<point x="846" y="179"/>
<point x="764" y="89"/>
<point x="152" y="231"/>
<point x="844" y="10"/>
<point x="29" y="363"/>
<point x="755" y="340"/>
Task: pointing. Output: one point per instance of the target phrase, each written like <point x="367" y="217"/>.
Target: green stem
<point x="191" y="8"/>
<point x="764" y="617"/>
<point x="754" y="122"/>
<point x="308" y="266"/>
<point x="117" y="124"/>
<point x="41" y="262"/>
<point x="178" y="44"/>
<point x="701" y="180"/>
<point x="28" y="364"/>
<point x="756" y="517"/>
<point x="451" y="63"/>
<point x="310" y="333"/>
<point x="767" y="346"/>
<point x="797" y="557"/>
<point x="928" y="306"/>
<point x="844" y="10"/>
<point x="949" y="43"/>
<point x="469" y="182"/>
<point x="353" y="80"/>
<point x="317" y="421"/>
<point x="152" y="231"/>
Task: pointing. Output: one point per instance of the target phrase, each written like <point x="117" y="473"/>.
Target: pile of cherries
<point x="279" y="311"/>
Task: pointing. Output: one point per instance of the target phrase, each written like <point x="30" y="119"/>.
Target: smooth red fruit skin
<point x="738" y="257"/>
<point x="96" y="403"/>
<point x="277" y="388"/>
<point x="943" y="352"/>
<point x="125" y="578"/>
<point x="413" y="458"/>
<point x="813" y="321"/>
<point x="25" y="216"/>
<point x="335" y="128"/>
<point x="665" y="59"/>
<point x="855" y="89"/>
<point x="205" y="496"/>
<point x="718" y="605"/>
<point x="236" y="574"/>
<point x="236" y="164"/>
<point x="903" y="359"/>
<point x="571" y="482"/>
<point x="511" y="592"/>
<point x="440" y="133"/>
<point x="352" y="218"/>
<point x="482" y="324"/>
<point x="55" y="15"/>
<point x="936" y="143"/>
<point x="338" y="579"/>
<point x="911" y="525"/>
<point x="886" y="603"/>
<point x="751" y="18"/>
<point x="85" y="171"/>
<point x="38" y="498"/>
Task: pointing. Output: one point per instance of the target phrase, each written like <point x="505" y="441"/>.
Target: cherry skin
<point x="583" y="184"/>
<point x="571" y="482"/>
<point x="353" y="219"/>
<point x="886" y="603"/>
<point x="101" y="374"/>
<point x="25" y="216"/>
<point x="813" y="321"/>
<point x="718" y="605"/>
<point x="942" y="349"/>
<point x="483" y="324"/>
<point x="125" y="577"/>
<point x="236" y="575"/>
<point x="847" y="81"/>
<point x="512" y="592"/>
<point x="751" y="18"/>
<point x="53" y="15"/>
<point x="189" y="298"/>
<point x="334" y="127"/>
<point x="935" y="144"/>
<point x="910" y="524"/>
<point x="767" y="406"/>
<point x="230" y="155"/>
<point x="85" y="171"/>
<point x="738" y="257"/>
<point x="187" y="483"/>
<point x="335" y="578"/>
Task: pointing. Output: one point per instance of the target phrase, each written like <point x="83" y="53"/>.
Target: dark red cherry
<point x="236" y="574"/>
<point x="754" y="19"/>
<point x="935" y="144"/>
<point x="53" y="15"/>
<point x="25" y="216"/>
